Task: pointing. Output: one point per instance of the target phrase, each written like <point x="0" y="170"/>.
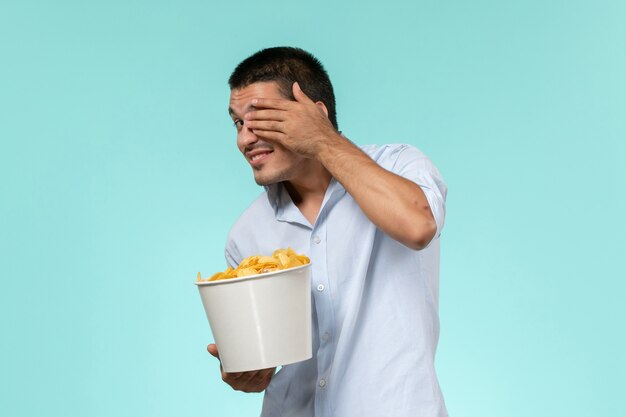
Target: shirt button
<point x="320" y="287"/>
<point x="316" y="239"/>
<point x="325" y="337"/>
<point x="322" y="383"/>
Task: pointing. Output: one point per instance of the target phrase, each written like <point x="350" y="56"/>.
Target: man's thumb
<point x="212" y="348"/>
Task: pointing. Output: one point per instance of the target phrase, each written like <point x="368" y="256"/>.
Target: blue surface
<point x="120" y="179"/>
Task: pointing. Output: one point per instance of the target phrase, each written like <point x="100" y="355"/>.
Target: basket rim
<point x="250" y="277"/>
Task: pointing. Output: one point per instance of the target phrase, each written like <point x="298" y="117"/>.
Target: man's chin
<point x="263" y="181"/>
<point x="273" y="178"/>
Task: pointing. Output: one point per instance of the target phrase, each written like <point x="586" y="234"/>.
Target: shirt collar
<point x="284" y="208"/>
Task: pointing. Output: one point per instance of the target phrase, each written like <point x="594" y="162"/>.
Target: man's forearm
<point x="394" y="204"/>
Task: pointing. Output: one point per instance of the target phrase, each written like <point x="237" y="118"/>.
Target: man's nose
<point x="246" y="136"/>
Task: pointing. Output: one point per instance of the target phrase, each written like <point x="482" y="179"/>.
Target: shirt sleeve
<point x="413" y="165"/>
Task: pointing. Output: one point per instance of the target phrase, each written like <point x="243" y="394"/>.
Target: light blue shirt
<point x="375" y="301"/>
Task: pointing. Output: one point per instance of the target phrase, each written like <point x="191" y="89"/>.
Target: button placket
<point x="324" y="308"/>
<point x="322" y="290"/>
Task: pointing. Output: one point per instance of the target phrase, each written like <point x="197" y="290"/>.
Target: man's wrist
<point x="330" y="146"/>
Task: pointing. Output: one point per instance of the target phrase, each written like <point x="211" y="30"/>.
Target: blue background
<point x="120" y="179"/>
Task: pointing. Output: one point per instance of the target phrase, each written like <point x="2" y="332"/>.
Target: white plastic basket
<point x="260" y="321"/>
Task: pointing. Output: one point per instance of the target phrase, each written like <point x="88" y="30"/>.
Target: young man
<point x="369" y="218"/>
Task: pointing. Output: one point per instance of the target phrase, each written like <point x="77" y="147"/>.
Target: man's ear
<point x="322" y="106"/>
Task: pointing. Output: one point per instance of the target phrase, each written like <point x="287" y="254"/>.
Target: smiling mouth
<point x="257" y="158"/>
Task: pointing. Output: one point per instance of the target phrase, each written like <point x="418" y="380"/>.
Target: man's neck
<point x="308" y="193"/>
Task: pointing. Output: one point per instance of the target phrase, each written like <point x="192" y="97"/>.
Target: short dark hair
<point x="286" y="65"/>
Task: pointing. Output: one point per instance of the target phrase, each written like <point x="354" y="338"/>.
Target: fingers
<point x="272" y="103"/>
<point x="233" y="376"/>
<point x="268" y="129"/>
<point x="278" y="115"/>
<point x="253" y="381"/>
<point x="248" y="379"/>
<point x="258" y="381"/>
<point x="270" y="135"/>
<point x="283" y="104"/>
<point x="264" y="125"/>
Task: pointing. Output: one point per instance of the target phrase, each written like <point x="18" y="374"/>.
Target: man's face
<point x="270" y="162"/>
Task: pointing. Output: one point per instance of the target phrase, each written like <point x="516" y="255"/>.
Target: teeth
<point x="255" y="157"/>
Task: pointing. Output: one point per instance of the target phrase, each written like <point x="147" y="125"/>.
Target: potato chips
<point x="254" y="265"/>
